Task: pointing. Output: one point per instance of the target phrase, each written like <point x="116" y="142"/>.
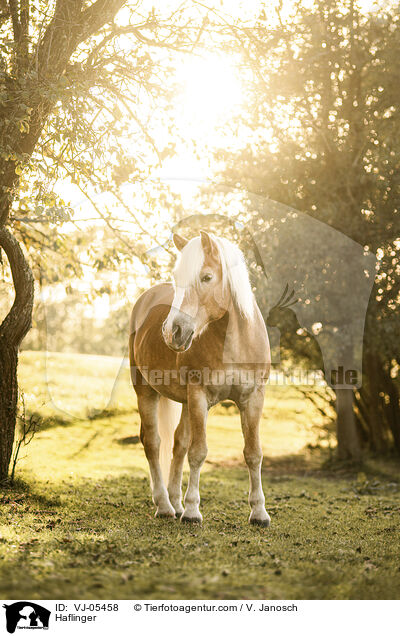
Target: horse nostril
<point x="176" y="331"/>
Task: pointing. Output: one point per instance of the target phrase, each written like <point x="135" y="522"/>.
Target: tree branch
<point x="13" y="6"/>
<point x="24" y="19"/>
<point x="97" y="15"/>
<point x="69" y="27"/>
<point x="4" y="11"/>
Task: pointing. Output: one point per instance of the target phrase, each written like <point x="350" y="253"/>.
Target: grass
<point x="79" y="523"/>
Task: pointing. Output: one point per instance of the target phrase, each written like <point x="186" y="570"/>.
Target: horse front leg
<point x="197" y="407"/>
<point x="181" y="442"/>
<point x="147" y="404"/>
<point x="250" y="414"/>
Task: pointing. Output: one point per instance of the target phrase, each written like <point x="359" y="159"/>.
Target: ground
<point x="79" y="522"/>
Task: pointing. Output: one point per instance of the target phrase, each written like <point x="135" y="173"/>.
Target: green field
<point x="79" y="522"/>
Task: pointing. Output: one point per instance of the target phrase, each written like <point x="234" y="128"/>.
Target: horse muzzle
<point x="180" y="336"/>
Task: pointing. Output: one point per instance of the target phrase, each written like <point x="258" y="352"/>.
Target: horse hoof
<point x="191" y="519"/>
<point x="164" y="515"/>
<point x="262" y="523"/>
<point x="178" y="515"/>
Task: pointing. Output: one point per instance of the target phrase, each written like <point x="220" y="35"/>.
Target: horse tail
<point x="169" y="413"/>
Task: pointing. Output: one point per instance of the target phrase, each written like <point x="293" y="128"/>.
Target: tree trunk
<point x="8" y="405"/>
<point x="12" y="331"/>
<point x="347" y="437"/>
<point x="374" y="370"/>
<point x="391" y="409"/>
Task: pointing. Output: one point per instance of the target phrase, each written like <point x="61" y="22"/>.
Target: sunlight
<point x="211" y="93"/>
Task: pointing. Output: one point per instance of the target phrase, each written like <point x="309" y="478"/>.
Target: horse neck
<point x="246" y="340"/>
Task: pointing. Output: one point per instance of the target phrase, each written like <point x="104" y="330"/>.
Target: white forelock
<point x="234" y="271"/>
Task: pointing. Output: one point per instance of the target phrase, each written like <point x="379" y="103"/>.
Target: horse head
<point x="201" y="294"/>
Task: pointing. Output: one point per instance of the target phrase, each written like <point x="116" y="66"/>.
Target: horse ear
<point x="179" y="241"/>
<point x="208" y="244"/>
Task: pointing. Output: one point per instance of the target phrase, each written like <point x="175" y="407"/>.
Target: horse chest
<point x="236" y="392"/>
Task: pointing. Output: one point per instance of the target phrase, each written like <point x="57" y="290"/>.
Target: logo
<point x="26" y="615"/>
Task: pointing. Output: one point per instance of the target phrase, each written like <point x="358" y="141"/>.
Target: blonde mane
<point x="234" y="271"/>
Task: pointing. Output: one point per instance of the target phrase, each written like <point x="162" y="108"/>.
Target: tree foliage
<point x="79" y="82"/>
<point x="322" y="125"/>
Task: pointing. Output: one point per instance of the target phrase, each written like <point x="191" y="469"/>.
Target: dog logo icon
<point x="26" y="615"/>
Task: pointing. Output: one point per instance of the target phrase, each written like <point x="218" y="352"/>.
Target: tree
<point x="13" y="329"/>
<point x="323" y="124"/>
<point x="66" y="102"/>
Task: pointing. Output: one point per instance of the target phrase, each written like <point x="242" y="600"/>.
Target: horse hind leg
<point x="250" y="414"/>
<point x="181" y="443"/>
<point x="148" y="403"/>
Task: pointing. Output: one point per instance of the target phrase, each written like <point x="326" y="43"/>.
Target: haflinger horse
<point x="193" y="343"/>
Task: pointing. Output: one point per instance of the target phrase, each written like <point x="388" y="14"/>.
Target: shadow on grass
<point x="43" y="423"/>
<point x="315" y="461"/>
<point x="20" y="490"/>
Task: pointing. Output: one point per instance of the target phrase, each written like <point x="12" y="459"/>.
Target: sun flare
<point x="210" y="96"/>
<point x="211" y="92"/>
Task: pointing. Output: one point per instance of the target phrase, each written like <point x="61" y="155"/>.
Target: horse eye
<point x="206" y="278"/>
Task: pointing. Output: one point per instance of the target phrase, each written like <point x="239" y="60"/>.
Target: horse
<point x="193" y="343"/>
